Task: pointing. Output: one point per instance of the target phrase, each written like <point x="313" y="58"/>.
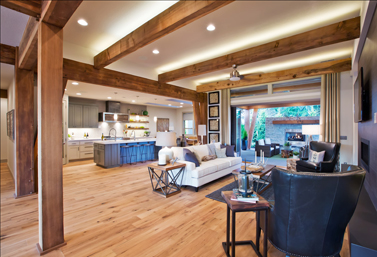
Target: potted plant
<point x="244" y="138"/>
<point x="295" y="155"/>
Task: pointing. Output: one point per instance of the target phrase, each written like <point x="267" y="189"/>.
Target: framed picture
<point x="10" y="124"/>
<point x="214" y="125"/>
<point x="162" y="125"/>
<point x="214" y="137"/>
<point x="214" y="111"/>
<point x="214" y="98"/>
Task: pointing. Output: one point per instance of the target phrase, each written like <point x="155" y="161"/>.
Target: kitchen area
<point x="109" y="132"/>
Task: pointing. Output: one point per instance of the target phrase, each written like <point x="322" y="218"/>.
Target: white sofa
<point x="207" y="171"/>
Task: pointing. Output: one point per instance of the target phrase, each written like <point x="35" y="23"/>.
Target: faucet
<point x="133" y="131"/>
<point x="115" y="133"/>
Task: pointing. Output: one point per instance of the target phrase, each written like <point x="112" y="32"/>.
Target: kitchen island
<point x="110" y="153"/>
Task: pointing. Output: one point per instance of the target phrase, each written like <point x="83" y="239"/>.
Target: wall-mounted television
<point x="360" y="107"/>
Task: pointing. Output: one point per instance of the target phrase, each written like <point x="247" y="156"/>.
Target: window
<point x="188" y="124"/>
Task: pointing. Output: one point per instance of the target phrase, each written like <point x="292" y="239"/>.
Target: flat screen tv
<point x="360" y="98"/>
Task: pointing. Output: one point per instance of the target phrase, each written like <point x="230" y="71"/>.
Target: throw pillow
<point x="261" y="142"/>
<point x="221" y="153"/>
<point x="229" y="150"/>
<point x="268" y="141"/>
<point x="190" y="157"/>
<point x="208" y="158"/>
<point x="316" y="157"/>
<point x="211" y="149"/>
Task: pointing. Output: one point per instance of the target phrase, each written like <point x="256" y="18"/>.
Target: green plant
<point x="296" y="153"/>
<point x="287" y="144"/>
<point x="243" y="133"/>
<point x="69" y="135"/>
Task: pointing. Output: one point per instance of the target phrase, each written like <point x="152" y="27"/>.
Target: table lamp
<point x="202" y="131"/>
<point x="165" y="139"/>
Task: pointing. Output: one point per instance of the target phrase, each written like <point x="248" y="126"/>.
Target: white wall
<point x="3" y="135"/>
<point x="11" y="145"/>
<point x="159" y="112"/>
<point x="179" y="119"/>
<point x="346" y="117"/>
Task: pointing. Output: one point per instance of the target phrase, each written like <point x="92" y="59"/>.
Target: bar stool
<point x="135" y="150"/>
<point x="144" y="152"/>
<point x="125" y="152"/>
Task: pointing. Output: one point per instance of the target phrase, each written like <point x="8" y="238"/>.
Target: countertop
<point x="83" y="139"/>
<point x="113" y="142"/>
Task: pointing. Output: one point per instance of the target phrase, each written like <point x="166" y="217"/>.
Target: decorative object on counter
<point x="202" y="131"/>
<point x="214" y="125"/>
<point x="145" y="113"/>
<point x="214" y="111"/>
<point x="173" y="161"/>
<point x="73" y="136"/>
<point x="166" y="139"/>
<point x="183" y="142"/>
<point x="69" y="136"/>
<point x="147" y="133"/>
<point x="102" y="137"/>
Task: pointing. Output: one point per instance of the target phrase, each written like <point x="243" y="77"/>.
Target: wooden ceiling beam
<point x="7" y="54"/>
<point x="328" y="35"/>
<point x="83" y="72"/>
<point x="53" y="12"/>
<point x="295" y="73"/>
<point x="173" y="18"/>
<point x="31" y="8"/>
<point x="277" y="105"/>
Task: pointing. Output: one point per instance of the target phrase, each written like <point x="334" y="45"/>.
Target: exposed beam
<point x="278" y="89"/>
<point x="53" y="12"/>
<point x="7" y="54"/>
<point x="295" y="73"/>
<point x="262" y="106"/>
<point x="83" y="72"/>
<point x="328" y="35"/>
<point x="173" y="18"/>
<point x="31" y="8"/>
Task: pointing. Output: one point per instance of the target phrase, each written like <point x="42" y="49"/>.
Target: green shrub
<point x="243" y="133"/>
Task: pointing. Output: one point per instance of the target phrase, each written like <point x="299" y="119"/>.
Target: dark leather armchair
<point x="329" y="161"/>
<point x="311" y="210"/>
<point x="268" y="150"/>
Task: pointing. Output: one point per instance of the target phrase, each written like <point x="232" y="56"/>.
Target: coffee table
<point x="166" y="182"/>
<point x="263" y="177"/>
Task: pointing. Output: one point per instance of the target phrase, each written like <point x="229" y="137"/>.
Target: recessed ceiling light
<point x="181" y="103"/>
<point x="78" y="93"/>
<point x="109" y="97"/>
<point x="211" y="27"/>
<point x="82" y="22"/>
<point x="169" y="104"/>
<point x="133" y="101"/>
<point x="155" y="51"/>
<point x="75" y="83"/>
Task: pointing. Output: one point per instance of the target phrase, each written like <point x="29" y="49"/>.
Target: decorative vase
<point x="145" y="113"/>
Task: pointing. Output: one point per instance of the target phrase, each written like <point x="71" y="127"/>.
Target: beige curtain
<point x="330" y="108"/>
<point x="225" y="116"/>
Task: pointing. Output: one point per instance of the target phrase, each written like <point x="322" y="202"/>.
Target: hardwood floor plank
<point x="113" y="212"/>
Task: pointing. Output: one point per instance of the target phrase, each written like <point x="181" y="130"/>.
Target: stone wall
<point x="277" y="131"/>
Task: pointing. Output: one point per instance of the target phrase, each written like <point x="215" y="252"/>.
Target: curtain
<point x="330" y="108"/>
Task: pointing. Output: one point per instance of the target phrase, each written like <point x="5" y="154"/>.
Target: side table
<point x="165" y="182"/>
<point x="236" y="206"/>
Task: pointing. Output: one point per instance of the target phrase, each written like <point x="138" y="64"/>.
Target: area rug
<point x="216" y="195"/>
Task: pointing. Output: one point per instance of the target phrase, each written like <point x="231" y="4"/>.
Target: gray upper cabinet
<point x="90" y="116"/>
<point x="75" y="116"/>
<point x="82" y="116"/>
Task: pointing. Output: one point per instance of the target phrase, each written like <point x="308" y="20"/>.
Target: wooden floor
<point x="113" y="212"/>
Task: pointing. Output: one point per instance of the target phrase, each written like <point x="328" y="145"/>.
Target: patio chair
<point x="275" y="145"/>
<point x="268" y="150"/>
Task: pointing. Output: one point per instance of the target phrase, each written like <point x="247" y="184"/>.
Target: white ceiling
<point x="239" y="25"/>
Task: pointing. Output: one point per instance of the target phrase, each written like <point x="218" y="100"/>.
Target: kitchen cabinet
<point x="75" y="116"/>
<point x="90" y="116"/>
<point x="73" y="150"/>
<point x="107" y="155"/>
<point x="80" y="149"/>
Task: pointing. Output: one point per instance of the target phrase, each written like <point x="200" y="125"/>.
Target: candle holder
<point x="245" y="183"/>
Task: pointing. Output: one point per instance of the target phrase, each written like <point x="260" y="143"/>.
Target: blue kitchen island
<point x="111" y="153"/>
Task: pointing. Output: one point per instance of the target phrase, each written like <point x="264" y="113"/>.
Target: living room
<point x="170" y="77"/>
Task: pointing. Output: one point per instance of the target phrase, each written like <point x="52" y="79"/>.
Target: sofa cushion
<point x="268" y="141"/>
<point x="234" y="160"/>
<point x="221" y="163"/>
<point x="191" y="157"/>
<point x="211" y="149"/>
<point x="261" y="142"/>
<point x="178" y="152"/>
<point x="200" y="151"/>
<point x="204" y="169"/>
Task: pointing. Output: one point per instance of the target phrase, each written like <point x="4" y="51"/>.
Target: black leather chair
<point x="311" y="210"/>
<point x="329" y="161"/>
<point x="268" y="150"/>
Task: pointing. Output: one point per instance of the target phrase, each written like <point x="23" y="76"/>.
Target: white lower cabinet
<point x="80" y="150"/>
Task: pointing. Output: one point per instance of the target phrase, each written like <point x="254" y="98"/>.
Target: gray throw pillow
<point x="211" y="149"/>
<point x="221" y="153"/>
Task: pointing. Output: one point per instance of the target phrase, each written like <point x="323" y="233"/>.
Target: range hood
<point x="113" y="113"/>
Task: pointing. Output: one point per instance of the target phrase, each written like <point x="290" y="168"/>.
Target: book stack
<point x="237" y="196"/>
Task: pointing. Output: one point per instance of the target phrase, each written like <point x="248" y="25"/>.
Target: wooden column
<point x="196" y="111"/>
<point x="204" y="117"/>
<point x="252" y="127"/>
<point x="24" y="122"/>
<point x="50" y="179"/>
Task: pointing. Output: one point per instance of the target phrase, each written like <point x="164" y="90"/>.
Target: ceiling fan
<point x="235" y="75"/>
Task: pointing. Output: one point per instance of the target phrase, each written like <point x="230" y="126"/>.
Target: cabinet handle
<point x="88" y="147"/>
<point x="88" y="153"/>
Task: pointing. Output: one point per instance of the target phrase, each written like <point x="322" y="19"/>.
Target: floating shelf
<point x="137" y="122"/>
<point x="137" y="129"/>
<point x="139" y="115"/>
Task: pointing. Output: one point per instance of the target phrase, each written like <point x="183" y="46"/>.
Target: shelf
<point x="139" y="115"/>
<point x="137" y="129"/>
<point x="137" y="122"/>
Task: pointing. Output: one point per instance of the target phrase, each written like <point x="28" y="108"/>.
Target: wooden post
<point x="50" y="184"/>
<point x="252" y="127"/>
<point x="24" y="122"/>
<point x="196" y="111"/>
<point x="204" y="117"/>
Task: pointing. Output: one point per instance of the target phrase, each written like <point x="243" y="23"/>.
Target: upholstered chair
<point x="311" y="211"/>
<point x="329" y="161"/>
<point x="268" y="150"/>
